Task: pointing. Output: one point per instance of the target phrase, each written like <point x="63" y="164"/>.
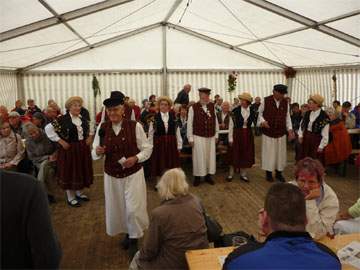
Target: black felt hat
<point x="204" y="90"/>
<point x="116" y="98"/>
<point x="281" y="88"/>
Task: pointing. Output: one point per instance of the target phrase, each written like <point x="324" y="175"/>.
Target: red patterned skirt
<point x="75" y="170"/>
<point x="242" y="151"/>
<point x="310" y="145"/>
<point x="165" y="154"/>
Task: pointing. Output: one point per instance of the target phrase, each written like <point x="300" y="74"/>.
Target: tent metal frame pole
<point x="67" y="16"/>
<point x="172" y="10"/>
<point x="53" y="12"/>
<point x="20" y="86"/>
<point x="305" y="21"/>
<point x="164" y="58"/>
<point x="225" y="45"/>
<point x="95" y="45"/>
<point x="334" y="19"/>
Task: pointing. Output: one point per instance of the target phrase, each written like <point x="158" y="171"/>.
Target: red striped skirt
<point x="242" y="151"/>
<point x="165" y="154"/>
<point x="74" y="169"/>
<point x="310" y="145"/>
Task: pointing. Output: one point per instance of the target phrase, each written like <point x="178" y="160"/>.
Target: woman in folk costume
<point x="314" y="130"/>
<point x="126" y="147"/>
<point x="165" y="137"/>
<point x="241" y="138"/>
<point x="74" y="164"/>
<point x="339" y="147"/>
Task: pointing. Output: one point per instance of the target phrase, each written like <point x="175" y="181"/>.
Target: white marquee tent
<point x="52" y="48"/>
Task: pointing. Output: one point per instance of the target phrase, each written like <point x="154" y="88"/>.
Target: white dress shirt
<point x="245" y="113"/>
<point x="53" y="136"/>
<point x="190" y="122"/>
<point x="324" y="132"/>
<point x="142" y="142"/>
<point x="261" y="118"/>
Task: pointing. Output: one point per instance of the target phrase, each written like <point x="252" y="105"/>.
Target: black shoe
<point x="245" y="179"/>
<point x="196" y="181"/>
<point x="133" y="248"/>
<point x="209" y="180"/>
<point x="125" y="242"/>
<point x="51" y="199"/>
<point x="82" y="197"/>
<point x="269" y="176"/>
<point x="280" y="177"/>
<point x="73" y="203"/>
<point x="229" y="178"/>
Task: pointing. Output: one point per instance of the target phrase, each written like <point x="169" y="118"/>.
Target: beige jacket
<point x="176" y="226"/>
<point x="321" y="215"/>
<point x="11" y="149"/>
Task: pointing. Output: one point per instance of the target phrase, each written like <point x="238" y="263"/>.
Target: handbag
<point x="214" y="229"/>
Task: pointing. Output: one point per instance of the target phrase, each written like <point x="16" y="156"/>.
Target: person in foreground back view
<point x="27" y="237"/>
<point x="287" y="245"/>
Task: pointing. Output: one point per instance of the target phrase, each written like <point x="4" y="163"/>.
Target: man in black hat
<point x="274" y="119"/>
<point x="125" y="146"/>
<point x="203" y="133"/>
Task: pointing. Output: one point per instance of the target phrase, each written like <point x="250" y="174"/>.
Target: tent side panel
<point x="140" y="84"/>
<point x="8" y="88"/>
<point x="319" y="80"/>
<point x="59" y="86"/>
<point x="258" y="83"/>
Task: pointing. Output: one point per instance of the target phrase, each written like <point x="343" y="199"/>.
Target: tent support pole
<point x="20" y="86"/>
<point x="164" y="57"/>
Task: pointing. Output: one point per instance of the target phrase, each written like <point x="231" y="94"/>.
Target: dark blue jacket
<point x="283" y="250"/>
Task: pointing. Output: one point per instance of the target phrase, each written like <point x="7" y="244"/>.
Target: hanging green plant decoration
<point x="232" y="81"/>
<point x="95" y="86"/>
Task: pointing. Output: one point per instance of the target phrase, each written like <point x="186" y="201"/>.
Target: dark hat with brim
<point x="204" y="90"/>
<point x="116" y="98"/>
<point x="281" y="88"/>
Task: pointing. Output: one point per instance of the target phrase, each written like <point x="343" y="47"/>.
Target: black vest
<point x="159" y="127"/>
<point x="319" y="123"/>
<point x="67" y="130"/>
<point x="238" y="119"/>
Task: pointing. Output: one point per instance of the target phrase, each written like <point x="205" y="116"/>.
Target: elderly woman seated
<point x="41" y="151"/>
<point x="11" y="148"/>
<point x="177" y="225"/>
<point x="339" y="146"/>
<point x="39" y="120"/>
<point x="322" y="204"/>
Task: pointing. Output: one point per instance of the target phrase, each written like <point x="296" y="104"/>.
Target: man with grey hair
<point x="42" y="152"/>
<point x="15" y="124"/>
<point x="125" y="146"/>
<point x="183" y="96"/>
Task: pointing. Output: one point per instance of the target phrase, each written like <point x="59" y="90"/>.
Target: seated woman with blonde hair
<point x="177" y="225"/>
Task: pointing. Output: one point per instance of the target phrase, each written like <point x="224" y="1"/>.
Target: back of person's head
<point x="285" y="207"/>
<point x="172" y="184"/>
<point x="346" y="105"/>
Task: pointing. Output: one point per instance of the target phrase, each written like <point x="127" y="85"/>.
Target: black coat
<point x="27" y="237"/>
<point x="182" y="98"/>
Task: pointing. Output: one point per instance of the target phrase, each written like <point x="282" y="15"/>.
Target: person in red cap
<point x="126" y="147"/>
<point x="275" y="122"/>
<point x="203" y="133"/>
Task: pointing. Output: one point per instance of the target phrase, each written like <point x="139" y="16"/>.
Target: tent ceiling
<point x="283" y="25"/>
